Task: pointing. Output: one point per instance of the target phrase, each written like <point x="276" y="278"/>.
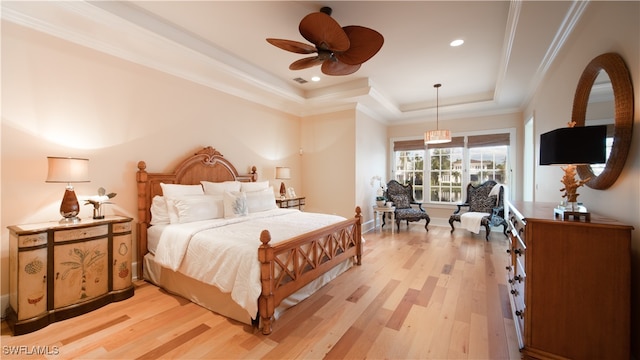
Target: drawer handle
<point x="520" y="314"/>
<point x="518" y="252"/>
<point x="517" y="278"/>
<point x="514" y="292"/>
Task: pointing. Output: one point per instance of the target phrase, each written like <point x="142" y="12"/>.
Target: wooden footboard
<point x="290" y="265"/>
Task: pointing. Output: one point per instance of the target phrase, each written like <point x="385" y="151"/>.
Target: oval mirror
<point x="616" y="70"/>
<point x="601" y="111"/>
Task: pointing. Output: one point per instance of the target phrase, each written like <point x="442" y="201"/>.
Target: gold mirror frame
<point x="620" y="77"/>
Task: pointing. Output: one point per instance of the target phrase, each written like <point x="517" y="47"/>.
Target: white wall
<point x="371" y="160"/>
<point x="61" y="99"/>
<point x="328" y="162"/>
<point x="604" y="27"/>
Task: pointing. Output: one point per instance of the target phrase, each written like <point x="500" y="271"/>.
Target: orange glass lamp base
<point x="69" y="209"/>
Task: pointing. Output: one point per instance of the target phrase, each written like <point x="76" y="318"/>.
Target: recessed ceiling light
<point x="315" y="78"/>
<point x="457" y="42"/>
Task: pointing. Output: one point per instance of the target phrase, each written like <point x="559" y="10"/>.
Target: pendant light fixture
<point x="437" y="136"/>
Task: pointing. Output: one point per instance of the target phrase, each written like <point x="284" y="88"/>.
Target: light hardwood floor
<point x="417" y="295"/>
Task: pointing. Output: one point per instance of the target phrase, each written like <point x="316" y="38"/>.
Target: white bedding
<point x="224" y="252"/>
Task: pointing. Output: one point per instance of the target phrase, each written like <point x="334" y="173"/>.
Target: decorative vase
<point x="380" y="203"/>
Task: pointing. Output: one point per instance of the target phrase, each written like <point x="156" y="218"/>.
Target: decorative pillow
<point x="261" y="200"/>
<point x="159" y="212"/>
<point x="254" y="186"/>
<point x="218" y="188"/>
<point x="173" y="190"/>
<point x="197" y="208"/>
<point x="235" y="204"/>
<point x="400" y="201"/>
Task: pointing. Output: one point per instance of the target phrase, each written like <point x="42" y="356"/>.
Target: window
<point x="451" y="166"/>
<point x="409" y="165"/>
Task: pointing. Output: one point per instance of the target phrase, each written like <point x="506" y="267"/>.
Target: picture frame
<point x="291" y="193"/>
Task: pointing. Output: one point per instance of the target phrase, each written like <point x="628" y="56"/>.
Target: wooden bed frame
<point x="285" y="267"/>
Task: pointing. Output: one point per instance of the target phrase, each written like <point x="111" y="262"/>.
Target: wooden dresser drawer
<point x="32" y="240"/>
<point x="82" y="233"/>
<point x="122" y="227"/>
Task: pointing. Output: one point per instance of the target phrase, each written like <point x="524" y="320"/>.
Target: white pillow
<point x="218" y="188"/>
<point x="196" y="208"/>
<point x="261" y="200"/>
<point x="173" y="190"/>
<point x="159" y="212"/>
<point x="254" y="186"/>
<point x="235" y="204"/>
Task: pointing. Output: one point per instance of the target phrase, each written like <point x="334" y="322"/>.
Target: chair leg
<point x="451" y="223"/>
<point x="504" y="228"/>
<point x="427" y="221"/>
<point x="487" y="230"/>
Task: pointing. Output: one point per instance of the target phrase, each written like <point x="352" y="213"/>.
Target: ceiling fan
<point x="340" y="50"/>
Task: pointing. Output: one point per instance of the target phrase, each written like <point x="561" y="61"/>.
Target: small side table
<point x="381" y="210"/>
<point x="291" y="203"/>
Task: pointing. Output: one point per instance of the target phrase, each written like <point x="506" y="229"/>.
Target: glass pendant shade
<point x="437" y="136"/>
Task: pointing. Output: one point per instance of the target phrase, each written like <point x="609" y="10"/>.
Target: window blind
<point x="408" y="145"/>
<point x="488" y="140"/>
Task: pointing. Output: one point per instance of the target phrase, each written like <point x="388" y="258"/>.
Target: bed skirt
<point x="210" y="297"/>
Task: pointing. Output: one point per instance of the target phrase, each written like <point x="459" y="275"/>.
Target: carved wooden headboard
<point x="207" y="164"/>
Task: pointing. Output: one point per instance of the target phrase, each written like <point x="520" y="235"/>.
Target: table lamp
<point x="571" y="146"/>
<point x="68" y="170"/>
<point x="283" y="173"/>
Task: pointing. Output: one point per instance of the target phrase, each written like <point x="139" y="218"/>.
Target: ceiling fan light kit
<point x="340" y="50"/>
<point x="437" y="136"/>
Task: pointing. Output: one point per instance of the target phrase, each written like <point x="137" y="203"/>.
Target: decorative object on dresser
<point x="98" y="201"/>
<point x="571" y="146"/>
<point x="297" y="202"/>
<point x="57" y="271"/>
<point x="308" y="250"/>
<point x="437" y="136"/>
<point x="68" y="170"/>
<point x="283" y="173"/>
<point x="402" y="198"/>
<point x="570" y="284"/>
<point x="613" y="66"/>
<point x="485" y="207"/>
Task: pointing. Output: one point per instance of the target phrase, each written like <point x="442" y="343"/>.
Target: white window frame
<point x="427" y="167"/>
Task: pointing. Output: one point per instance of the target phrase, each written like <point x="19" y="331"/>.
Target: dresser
<point x="569" y="284"/>
<point x="291" y="203"/>
<point x="57" y="271"/>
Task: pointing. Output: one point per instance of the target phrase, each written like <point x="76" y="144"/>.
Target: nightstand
<point x="380" y="211"/>
<point x="288" y="203"/>
<point x="57" y="271"/>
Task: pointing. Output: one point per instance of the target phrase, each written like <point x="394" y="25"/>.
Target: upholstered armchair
<point x="485" y="207"/>
<point x="406" y="207"/>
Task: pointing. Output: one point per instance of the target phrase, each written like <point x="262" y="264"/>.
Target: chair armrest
<point x="460" y="207"/>
<point x="419" y="205"/>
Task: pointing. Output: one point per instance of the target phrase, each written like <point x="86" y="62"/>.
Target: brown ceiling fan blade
<point x="321" y="30"/>
<point x="305" y="63"/>
<point x="365" y="43"/>
<point x="293" y="46"/>
<point x="332" y="67"/>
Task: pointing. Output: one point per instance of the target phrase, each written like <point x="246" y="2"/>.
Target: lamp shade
<point x="574" y="146"/>
<point x="67" y="170"/>
<point x="437" y="136"/>
<point x="283" y="173"/>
